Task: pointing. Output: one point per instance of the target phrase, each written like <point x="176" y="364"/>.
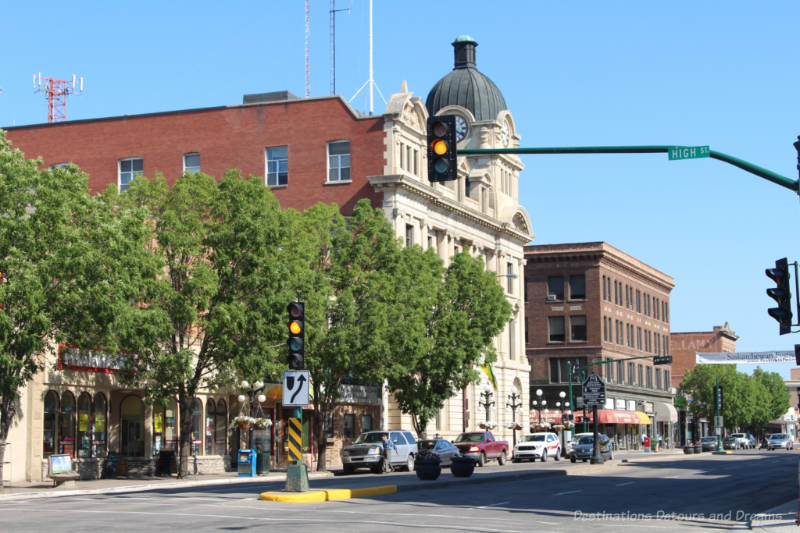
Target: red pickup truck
<point x="482" y="446"/>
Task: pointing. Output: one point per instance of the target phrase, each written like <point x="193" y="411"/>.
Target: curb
<point x="317" y="496"/>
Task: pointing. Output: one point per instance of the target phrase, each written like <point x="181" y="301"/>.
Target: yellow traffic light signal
<point x="442" y="148"/>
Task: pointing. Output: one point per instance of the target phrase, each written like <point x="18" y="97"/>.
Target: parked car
<point x="537" y="446"/>
<point x="780" y="440"/>
<point x="709" y="443"/>
<point x="482" y="446"/>
<point x="742" y="441"/>
<point x="730" y="443"/>
<point x="440" y="447"/>
<point x="584" y="448"/>
<point x="365" y="451"/>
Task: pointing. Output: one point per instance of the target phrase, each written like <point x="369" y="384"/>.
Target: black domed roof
<point x="466" y="86"/>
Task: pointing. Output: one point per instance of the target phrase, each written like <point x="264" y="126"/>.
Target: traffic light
<point x="297" y="332"/>
<point x="442" y="163"/>
<point x="662" y="360"/>
<point x="781" y="294"/>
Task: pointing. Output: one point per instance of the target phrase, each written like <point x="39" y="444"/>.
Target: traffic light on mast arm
<point x="297" y="333"/>
<point x="442" y="160"/>
<point x="781" y="294"/>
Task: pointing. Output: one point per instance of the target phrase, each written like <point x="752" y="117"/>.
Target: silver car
<point x="365" y="451"/>
<point x="780" y="440"/>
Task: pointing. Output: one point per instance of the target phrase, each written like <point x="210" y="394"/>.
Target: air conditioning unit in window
<point x="551" y="297"/>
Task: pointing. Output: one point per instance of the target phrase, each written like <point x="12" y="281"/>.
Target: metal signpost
<point x="594" y="394"/>
<point x="295" y="393"/>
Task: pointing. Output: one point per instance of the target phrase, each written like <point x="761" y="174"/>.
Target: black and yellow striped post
<point x="295" y="440"/>
<point x="296" y="472"/>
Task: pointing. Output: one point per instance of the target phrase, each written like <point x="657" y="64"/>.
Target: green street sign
<point x="688" y="152"/>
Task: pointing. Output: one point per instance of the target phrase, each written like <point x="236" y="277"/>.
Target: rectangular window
<point x="638" y="338"/>
<point x="605" y="329"/>
<point x="658" y="379"/>
<point x="577" y="287"/>
<point x="556" y="328"/>
<point x="191" y="162"/>
<point x="555" y="288"/>
<point x="554" y="371"/>
<point x="339" y="161"/>
<point x="667" y="384"/>
<point x="577" y="330"/>
<point x="638" y="301"/>
<point x="641" y="376"/>
<point x="349" y="426"/>
<point x="128" y="169"/>
<point x="366" y="423"/>
<point x="409" y="234"/>
<point x="631" y="374"/>
<point x="620" y="372"/>
<point x="559" y="369"/>
<point x="605" y="293"/>
<point x="616" y="292"/>
<point x="512" y="337"/>
<point x="649" y="375"/>
<point x="277" y="166"/>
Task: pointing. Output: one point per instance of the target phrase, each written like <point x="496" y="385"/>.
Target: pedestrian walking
<point x="386" y="452"/>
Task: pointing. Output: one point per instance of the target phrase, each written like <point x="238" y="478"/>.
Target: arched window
<point x="99" y="425"/>
<point x="50" y="423"/>
<point x="66" y="424"/>
<point x="221" y="430"/>
<point x="197" y="425"/>
<point x="84" y="441"/>
<point x="211" y="409"/>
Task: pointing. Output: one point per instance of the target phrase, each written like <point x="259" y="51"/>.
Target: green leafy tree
<point x="774" y="397"/>
<point x="71" y="263"/>
<point x="342" y="271"/>
<point x="216" y="310"/>
<point x="443" y="325"/>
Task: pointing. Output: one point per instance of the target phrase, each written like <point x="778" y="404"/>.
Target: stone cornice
<point x="427" y="193"/>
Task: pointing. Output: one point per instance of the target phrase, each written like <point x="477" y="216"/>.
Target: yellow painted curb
<point x="327" y="495"/>
<point x="295" y="497"/>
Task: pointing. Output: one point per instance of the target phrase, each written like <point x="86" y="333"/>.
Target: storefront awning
<point x="643" y="418"/>
<point x="609" y="416"/>
<point x="666" y="412"/>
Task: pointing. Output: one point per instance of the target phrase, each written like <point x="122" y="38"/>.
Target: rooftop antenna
<point x="56" y="92"/>
<point x="370" y="81"/>
<point x="333" y="44"/>
<point x="308" y="79"/>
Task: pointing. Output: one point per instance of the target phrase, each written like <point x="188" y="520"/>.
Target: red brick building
<point x="686" y="344"/>
<point x="592" y="302"/>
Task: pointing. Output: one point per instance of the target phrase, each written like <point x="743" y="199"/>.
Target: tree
<point x="774" y="396"/>
<point x="443" y="325"/>
<point x="217" y="309"/>
<point x="71" y="263"/>
<point x="342" y="271"/>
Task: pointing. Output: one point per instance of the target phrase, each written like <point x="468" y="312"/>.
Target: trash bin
<point x="247" y="462"/>
<point x="262" y="462"/>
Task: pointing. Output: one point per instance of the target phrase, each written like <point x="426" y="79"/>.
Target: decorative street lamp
<point x="487" y="403"/>
<point x="538" y="404"/>
<point x="258" y="386"/>
<point x="513" y="404"/>
<point x="561" y="406"/>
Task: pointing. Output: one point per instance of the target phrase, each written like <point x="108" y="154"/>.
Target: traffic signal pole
<point x="675" y="152"/>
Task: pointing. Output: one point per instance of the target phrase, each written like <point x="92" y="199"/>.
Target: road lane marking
<point x="493" y="504"/>
<point x="567" y="492"/>
<point x="626" y="483"/>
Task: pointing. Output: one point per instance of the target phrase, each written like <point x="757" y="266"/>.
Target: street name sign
<point x="295" y="388"/>
<point x="594" y="391"/>
<point x="688" y="152"/>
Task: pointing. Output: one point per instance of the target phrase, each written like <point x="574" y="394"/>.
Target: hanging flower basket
<point x="558" y="427"/>
<point x="244" y="422"/>
<point x="262" y="423"/>
<point x="544" y="426"/>
<point x="487" y="425"/>
<point x="514" y="426"/>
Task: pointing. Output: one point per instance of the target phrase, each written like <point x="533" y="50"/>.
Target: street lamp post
<point x="538" y="404"/>
<point x="561" y="405"/>
<point x="258" y="386"/>
<point x="487" y="403"/>
<point x="514" y="404"/>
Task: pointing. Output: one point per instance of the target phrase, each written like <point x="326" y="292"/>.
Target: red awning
<point x="608" y="416"/>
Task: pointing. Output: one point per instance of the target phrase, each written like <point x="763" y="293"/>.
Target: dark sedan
<point x="444" y="449"/>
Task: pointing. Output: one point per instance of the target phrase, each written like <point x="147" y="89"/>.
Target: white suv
<point x="365" y="452"/>
<point x="537" y="446"/>
<point x="742" y="440"/>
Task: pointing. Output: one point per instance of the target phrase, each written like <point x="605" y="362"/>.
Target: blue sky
<point x="582" y="73"/>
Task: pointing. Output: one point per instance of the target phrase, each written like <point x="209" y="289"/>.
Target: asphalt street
<point x="655" y="493"/>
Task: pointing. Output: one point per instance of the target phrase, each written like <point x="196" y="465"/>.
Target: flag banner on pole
<point x="487" y="369"/>
<point x="722" y="358"/>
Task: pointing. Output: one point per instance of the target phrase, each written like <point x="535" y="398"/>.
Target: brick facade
<point x="686" y="345"/>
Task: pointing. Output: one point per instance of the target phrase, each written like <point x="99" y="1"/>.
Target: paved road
<point x="657" y="493"/>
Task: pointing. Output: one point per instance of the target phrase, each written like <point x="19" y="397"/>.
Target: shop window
<point x="66" y="425"/>
<point x="211" y="409"/>
<point x="366" y="422"/>
<point x="99" y="425"/>
<point x="164" y="436"/>
<point x="220" y="428"/>
<point x="50" y="423"/>
<point x="84" y="444"/>
<point x="349" y="426"/>
<point x="197" y="426"/>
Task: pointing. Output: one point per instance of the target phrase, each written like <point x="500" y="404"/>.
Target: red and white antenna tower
<point x="56" y="92"/>
<point x="308" y="78"/>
